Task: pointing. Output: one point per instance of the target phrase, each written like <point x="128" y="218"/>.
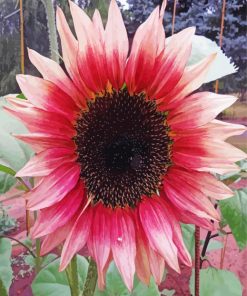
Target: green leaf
<point x="13" y="153"/>
<point x="188" y="231"/>
<point x="222" y="65"/>
<point x="116" y="287"/>
<point x="49" y="281"/>
<point x="217" y="282"/>
<point x="21" y="96"/>
<point x="234" y="211"/>
<point x="6" y="273"/>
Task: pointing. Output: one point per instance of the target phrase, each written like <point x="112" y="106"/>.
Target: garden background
<point x="40" y="35"/>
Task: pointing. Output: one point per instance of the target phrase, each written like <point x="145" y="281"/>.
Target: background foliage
<point x="205" y="15"/>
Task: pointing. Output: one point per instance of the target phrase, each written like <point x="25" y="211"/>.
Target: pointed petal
<point x="53" y="188"/>
<point x="47" y="96"/>
<point x="158" y="231"/>
<point x="189" y="218"/>
<point x="206" y="154"/>
<point x="169" y="69"/>
<point x="70" y="49"/>
<point x="60" y="213"/>
<point x="54" y="239"/>
<point x="142" y="254"/>
<point x="98" y="24"/>
<point x="42" y="141"/>
<point x="91" y="55"/>
<point x="204" y="182"/>
<point x="161" y="31"/>
<point x="116" y="46"/>
<point x="186" y="197"/>
<point x="123" y="245"/>
<point x="46" y="162"/>
<point x="192" y="78"/>
<point x="183" y="253"/>
<point x="157" y="266"/>
<point x="77" y="237"/>
<point x="38" y="120"/>
<point x="143" y="53"/>
<point x="52" y="71"/>
<point x="198" y="109"/>
<point x="214" y="129"/>
<point x="102" y="274"/>
<point x="16" y="102"/>
<point x="99" y="241"/>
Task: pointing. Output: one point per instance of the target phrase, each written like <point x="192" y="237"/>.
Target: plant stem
<point x="22" y="38"/>
<point x="38" y="259"/>
<point x="205" y="246"/>
<point x="197" y="261"/>
<point x="91" y="279"/>
<point x="72" y="276"/>
<point x="223" y="251"/>
<point x="20" y="243"/>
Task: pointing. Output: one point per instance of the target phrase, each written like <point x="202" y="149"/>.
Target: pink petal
<point x="158" y="230"/>
<point x="77" y="237"/>
<point x="47" y="96"/>
<point x="183" y="253"/>
<point x="161" y="31"/>
<point x="142" y="255"/>
<point x="214" y="129"/>
<point x="38" y="120"/>
<point x="187" y="197"/>
<point x="98" y="24"/>
<point x="70" y="49"/>
<point x="116" y="46"/>
<point x="169" y="69"/>
<point x="51" y="71"/>
<point x="143" y="53"/>
<point x="54" y="239"/>
<point x="14" y="101"/>
<point x="206" y="154"/>
<point x="192" y="78"/>
<point x="99" y="240"/>
<point x="60" y="213"/>
<point x="198" y="109"/>
<point x="204" y="182"/>
<point x="54" y="187"/>
<point x="102" y="274"/>
<point x="189" y="218"/>
<point x="157" y="266"/>
<point x="123" y="245"/>
<point x="46" y="162"/>
<point x="42" y="141"/>
<point x="224" y="130"/>
<point x="91" y="55"/>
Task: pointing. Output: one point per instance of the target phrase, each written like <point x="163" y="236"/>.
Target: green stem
<point x="91" y="279"/>
<point x="38" y="259"/>
<point x="72" y="276"/>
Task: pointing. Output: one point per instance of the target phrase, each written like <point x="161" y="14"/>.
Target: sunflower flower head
<point x="125" y="147"/>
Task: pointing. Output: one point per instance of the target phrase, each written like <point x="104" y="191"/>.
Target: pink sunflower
<point x="125" y="149"/>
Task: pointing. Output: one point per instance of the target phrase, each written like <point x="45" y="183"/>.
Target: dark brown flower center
<point x="123" y="148"/>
